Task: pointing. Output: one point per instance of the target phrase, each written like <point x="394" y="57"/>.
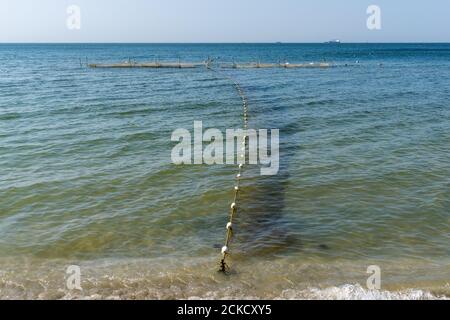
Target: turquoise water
<point x="87" y="179"/>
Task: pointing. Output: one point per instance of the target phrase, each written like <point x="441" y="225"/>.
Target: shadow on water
<point x="261" y="226"/>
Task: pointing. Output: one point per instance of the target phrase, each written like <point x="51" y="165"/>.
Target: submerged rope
<point x="234" y="205"/>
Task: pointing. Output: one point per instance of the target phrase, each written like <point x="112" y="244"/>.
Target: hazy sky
<point x="224" y="21"/>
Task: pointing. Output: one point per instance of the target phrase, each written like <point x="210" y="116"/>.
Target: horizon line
<point x="227" y="42"/>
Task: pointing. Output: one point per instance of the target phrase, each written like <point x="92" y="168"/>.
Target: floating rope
<point x="234" y="205"/>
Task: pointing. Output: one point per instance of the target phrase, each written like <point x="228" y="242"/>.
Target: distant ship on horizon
<point x="334" y="41"/>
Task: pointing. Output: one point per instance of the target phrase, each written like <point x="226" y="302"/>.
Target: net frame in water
<point x="208" y="64"/>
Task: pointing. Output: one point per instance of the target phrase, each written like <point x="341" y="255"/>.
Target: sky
<point x="223" y="21"/>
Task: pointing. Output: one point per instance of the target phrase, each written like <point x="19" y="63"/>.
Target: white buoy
<point x="233" y="205"/>
<point x="224" y="250"/>
<point x="229" y="225"/>
<point x="238" y="176"/>
<point x="241" y="165"/>
<point x="236" y="188"/>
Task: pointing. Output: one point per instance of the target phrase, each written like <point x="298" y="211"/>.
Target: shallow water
<point x="87" y="179"/>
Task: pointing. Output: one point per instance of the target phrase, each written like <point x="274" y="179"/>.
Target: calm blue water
<point x="87" y="179"/>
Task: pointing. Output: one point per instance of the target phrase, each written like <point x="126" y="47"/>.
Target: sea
<point x="93" y="207"/>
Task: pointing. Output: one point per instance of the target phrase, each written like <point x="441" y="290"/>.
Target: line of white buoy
<point x="234" y="205"/>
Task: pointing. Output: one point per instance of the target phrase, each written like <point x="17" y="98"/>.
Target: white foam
<point x="357" y="292"/>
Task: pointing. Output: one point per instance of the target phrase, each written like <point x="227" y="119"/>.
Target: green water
<point x="87" y="179"/>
